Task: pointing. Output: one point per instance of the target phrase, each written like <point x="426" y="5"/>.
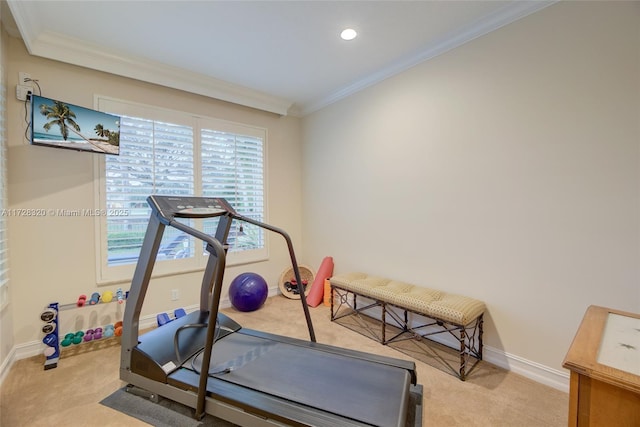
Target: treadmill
<point x="208" y="362"/>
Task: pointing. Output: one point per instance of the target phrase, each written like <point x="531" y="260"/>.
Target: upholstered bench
<point x="459" y="315"/>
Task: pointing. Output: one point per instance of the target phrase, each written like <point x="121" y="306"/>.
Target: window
<point x="173" y="153"/>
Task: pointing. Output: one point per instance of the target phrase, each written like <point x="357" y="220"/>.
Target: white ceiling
<point x="280" y="56"/>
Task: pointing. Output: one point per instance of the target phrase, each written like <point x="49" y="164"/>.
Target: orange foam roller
<point x="327" y="293"/>
<point x="316" y="293"/>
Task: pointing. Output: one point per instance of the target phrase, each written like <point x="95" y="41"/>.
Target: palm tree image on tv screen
<point x="62" y="125"/>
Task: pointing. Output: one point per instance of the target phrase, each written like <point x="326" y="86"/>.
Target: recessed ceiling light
<point x="348" y="34"/>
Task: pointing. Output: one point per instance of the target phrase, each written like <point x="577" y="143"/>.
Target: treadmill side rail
<point x="138" y="291"/>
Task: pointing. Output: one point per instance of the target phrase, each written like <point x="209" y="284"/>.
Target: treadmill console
<point x="170" y="207"/>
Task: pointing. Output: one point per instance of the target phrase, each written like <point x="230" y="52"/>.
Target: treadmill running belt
<point x="353" y="388"/>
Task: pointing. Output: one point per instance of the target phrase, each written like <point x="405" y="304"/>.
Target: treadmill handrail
<point x="214" y="242"/>
<point x="216" y="248"/>
<point x="218" y="274"/>
<point x="204" y="374"/>
<point x="294" y="262"/>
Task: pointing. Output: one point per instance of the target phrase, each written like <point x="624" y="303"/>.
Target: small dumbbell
<point x="107" y="296"/>
<point x="77" y="338"/>
<point x="48" y="328"/>
<point x="109" y="330"/>
<point x="97" y="333"/>
<point x="162" y="319"/>
<point x="88" y="336"/>
<point x="51" y="340"/>
<point x="68" y="339"/>
<point x="117" y="328"/>
<point x="82" y="299"/>
<point x="95" y="298"/>
<point x="48" y="315"/>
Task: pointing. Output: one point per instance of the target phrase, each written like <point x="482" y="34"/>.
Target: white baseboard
<point x="542" y="374"/>
<point x="534" y="371"/>
<point x="7" y="363"/>
<point x="516" y="364"/>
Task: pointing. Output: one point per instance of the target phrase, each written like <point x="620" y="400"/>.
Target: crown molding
<point x="78" y="52"/>
<point x="21" y="23"/>
<point x="503" y="16"/>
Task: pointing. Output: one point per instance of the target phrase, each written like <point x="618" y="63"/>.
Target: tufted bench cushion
<point x="458" y="315"/>
<point x="456" y="309"/>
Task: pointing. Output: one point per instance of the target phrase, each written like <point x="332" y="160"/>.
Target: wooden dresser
<point x="604" y="361"/>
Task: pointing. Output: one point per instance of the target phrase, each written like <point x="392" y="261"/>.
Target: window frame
<point x="106" y="274"/>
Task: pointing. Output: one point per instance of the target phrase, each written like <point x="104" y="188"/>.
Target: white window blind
<point x="173" y="153"/>
<point x="232" y="167"/>
<point x="155" y="158"/>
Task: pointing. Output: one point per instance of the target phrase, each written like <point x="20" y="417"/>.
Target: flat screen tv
<point x="62" y="125"/>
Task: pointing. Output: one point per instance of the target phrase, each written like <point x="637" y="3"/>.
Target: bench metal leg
<point x="480" y="326"/>
<point x="406" y="321"/>
<point x="331" y="299"/>
<point x="384" y="323"/>
<point x="463" y="359"/>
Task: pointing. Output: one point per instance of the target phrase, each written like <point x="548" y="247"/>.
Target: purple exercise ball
<point x="248" y="291"/>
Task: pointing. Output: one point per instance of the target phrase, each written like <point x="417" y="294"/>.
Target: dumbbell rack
<point x="52" y="339"/>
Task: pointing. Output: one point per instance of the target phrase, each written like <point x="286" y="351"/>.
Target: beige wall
<point x="6" y="318"/>
<point x="53" y="258"/>
<point x="507" y="169"/>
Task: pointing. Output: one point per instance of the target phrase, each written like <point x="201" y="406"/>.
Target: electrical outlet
<point x="24" y="78"/>
<point x="23" y="93"/>
<point x="175" y="295"/>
